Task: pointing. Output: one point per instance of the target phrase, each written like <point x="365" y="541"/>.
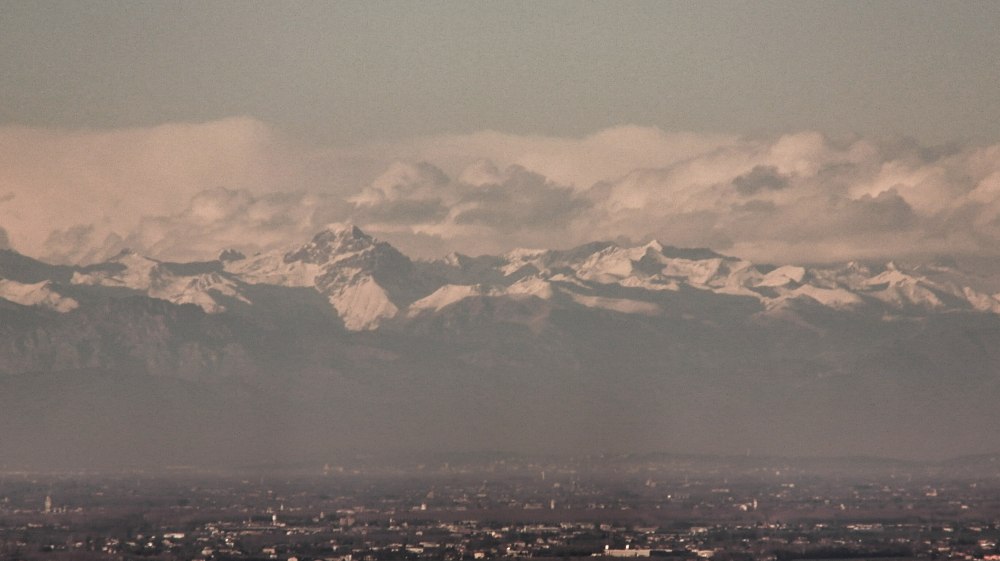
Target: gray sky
<point x="346" y="72"/>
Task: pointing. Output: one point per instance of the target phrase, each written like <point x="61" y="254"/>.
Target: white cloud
<point x="188" y="191"/>
<point x="222" y="218"/>
<point x="109" y="180"/>
<point x="574" y="162"/>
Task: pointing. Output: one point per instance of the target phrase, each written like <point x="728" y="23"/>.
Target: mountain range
<point x="344" y="344"/>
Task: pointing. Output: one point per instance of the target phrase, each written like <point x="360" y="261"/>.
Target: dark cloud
<point x="421" y="196"/>
<point x="523" y="200"/>
<point x="887" y="211"/>
<point x="402" y="212"/>
<point x="760" y="178"/>
<point x="822" y="218"/>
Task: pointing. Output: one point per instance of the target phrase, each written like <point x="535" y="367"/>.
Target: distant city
<point x="691" y="508"/>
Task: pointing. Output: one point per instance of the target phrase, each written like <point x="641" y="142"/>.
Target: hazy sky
<point x="350" y="71"/>
<point x="777" y="131"/>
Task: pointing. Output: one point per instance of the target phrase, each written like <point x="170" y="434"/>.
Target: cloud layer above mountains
<point x="186" y="191"/>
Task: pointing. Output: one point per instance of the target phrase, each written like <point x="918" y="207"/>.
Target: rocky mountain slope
<point x="346" y="343"/>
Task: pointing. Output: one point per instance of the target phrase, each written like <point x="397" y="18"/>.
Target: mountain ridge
<point x="368" y="281"/>
<point x="602" y="347"/>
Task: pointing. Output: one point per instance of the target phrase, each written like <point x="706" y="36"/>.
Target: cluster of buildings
<point x="503" y="510"/>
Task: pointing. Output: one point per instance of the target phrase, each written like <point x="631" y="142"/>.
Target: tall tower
<point x="48" y="504"/>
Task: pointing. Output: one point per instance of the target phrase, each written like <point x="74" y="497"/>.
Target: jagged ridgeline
<point x="345" y="344"/>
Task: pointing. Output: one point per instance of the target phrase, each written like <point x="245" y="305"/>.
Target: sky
<point x="776" y="131"/>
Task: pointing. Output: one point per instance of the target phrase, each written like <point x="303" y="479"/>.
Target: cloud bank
<point x="187" y="191"/>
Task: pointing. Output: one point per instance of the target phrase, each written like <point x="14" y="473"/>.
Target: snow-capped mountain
<point x="586" y="348"/>
<point x="365" y="280"/>
<point x="638" y="273"/>
<point x="368" y="282"/>
<point x="203" y="286"/>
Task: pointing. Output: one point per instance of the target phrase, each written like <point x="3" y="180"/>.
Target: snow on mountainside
<point x="653" y="268"/>
<point x="783" y="276"/>
<point x="271" y="268"/>
<point x="202" y="288"/>
<point x="361" y="303"/>
<point x="126" y="270"/>
<point x="39" y="294"/>
<point x="836" y="298"/>
<point x="446" y="296"/>
<point x="367" y="282"/>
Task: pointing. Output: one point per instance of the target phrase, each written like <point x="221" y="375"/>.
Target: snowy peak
<point x="204" y="286"/>
<point x="521" y="261"/>
<point x="203" y="290"/>
<point x="368" y="282"/>
<point x="654" y="268"/>
<point x="788" y="275"/>
<point x="654" y="246"/>
<point x="303" y="265"/>
<point x="271" y="268"/>
<point x="332" y="244"/>
<point x="125" y="270"/>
